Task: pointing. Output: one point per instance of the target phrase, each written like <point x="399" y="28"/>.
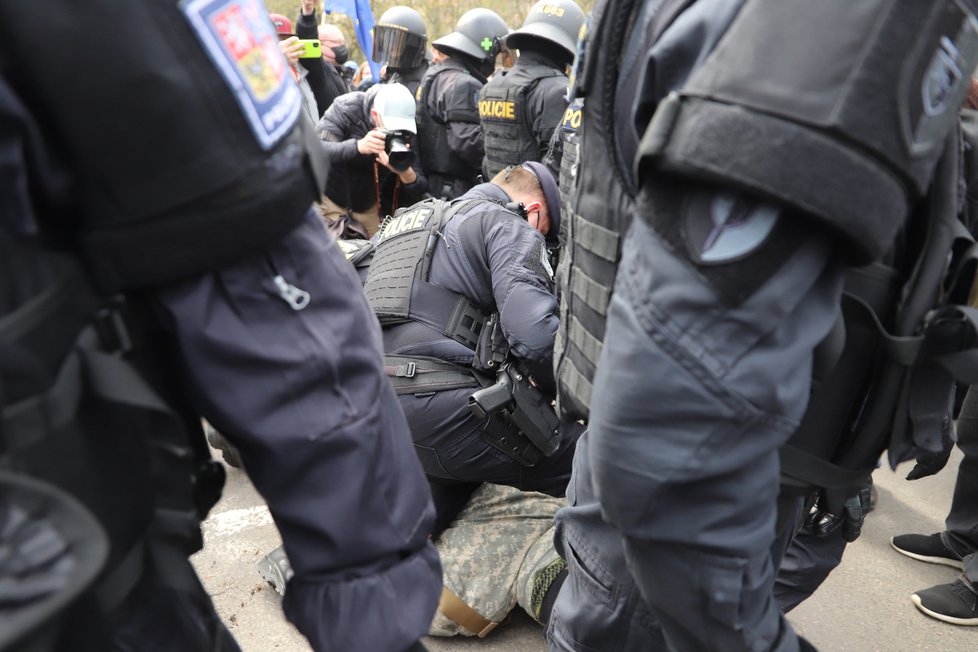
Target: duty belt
<point x="421" y="374"/>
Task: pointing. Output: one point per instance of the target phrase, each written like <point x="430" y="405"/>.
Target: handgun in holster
<point x="533" y="425"/>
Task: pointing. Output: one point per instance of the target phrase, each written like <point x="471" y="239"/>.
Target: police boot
<point x="276" y="569"/>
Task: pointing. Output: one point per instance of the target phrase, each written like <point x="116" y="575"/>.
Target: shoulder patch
<point x="935" y="86"/>
<point x="538" y="262"/>
<point x="240" y="40"/>
<point x="725" y="227"/>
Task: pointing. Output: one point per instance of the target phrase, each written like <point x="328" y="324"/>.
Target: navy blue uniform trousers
<point x="692" y="400"/>
<point x="303" y="396"/>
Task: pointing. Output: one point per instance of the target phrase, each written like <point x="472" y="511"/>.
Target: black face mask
<point x="342" y="53"/>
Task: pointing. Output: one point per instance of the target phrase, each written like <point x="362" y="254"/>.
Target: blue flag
<point x="362" y="16"/>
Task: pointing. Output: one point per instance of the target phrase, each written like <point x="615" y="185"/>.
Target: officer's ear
<point x="537" y="216"/>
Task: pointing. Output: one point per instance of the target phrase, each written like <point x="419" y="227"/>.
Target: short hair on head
<point x="518" y="179"/>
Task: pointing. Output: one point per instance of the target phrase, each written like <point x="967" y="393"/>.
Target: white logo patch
<point x="240" y="39"/>
<point x="725" y="227"/>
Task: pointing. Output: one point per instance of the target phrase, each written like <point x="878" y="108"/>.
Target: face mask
<point x="342" y="53"/>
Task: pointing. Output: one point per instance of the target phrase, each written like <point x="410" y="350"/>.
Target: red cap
<point x="282" y="24"/>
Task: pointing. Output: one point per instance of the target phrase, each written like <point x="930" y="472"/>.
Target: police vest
<point x="397" y="286"/>
<point x="220" y="167"/>
<point x="438" y="159"/>
<point x="569" y="133"/>
<point x="599" y="210"/>
<point x="884" y="377"/>
<point x="509" y="139"/>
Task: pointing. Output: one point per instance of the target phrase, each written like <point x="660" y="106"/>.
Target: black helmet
<point x="478" y="33"/>
<point x="400" y="38"/>
<point x="556" y="21"/>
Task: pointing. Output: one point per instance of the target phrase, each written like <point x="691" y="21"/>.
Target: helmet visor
<point x="397" y="47"/>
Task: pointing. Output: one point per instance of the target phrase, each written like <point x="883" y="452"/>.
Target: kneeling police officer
<point x="469" y="338"/>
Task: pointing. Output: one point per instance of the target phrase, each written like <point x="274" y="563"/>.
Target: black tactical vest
<point x="509" y="139"/>
<point x="905" y="335"/>
<point x="569" y="133"/>
<point x="599" y="211"/>
<point x="439" y="162"/>
<point x="220" y="167"/>
<point x="397" y="286"/>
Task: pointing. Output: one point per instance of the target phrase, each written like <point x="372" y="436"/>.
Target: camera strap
<point x="397" y="191"/>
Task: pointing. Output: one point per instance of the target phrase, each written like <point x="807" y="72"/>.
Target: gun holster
<point x="532" y="424"/>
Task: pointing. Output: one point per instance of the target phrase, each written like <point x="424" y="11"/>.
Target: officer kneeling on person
<point x="464" y="291"/>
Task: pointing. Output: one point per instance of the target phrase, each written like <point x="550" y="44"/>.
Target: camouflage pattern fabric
<point x="499" y="553"/>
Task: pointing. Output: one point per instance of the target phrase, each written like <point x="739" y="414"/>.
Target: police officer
<point x="448" y="112"/>
<point x="684" y="460"/>
<point x="520" y="108"/>
<point x="400" y="44"/>
<point x="238" y="308"/>
<point x="481" y="296"/>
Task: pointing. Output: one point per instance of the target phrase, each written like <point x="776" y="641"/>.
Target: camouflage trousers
<point x="497" y="554"/>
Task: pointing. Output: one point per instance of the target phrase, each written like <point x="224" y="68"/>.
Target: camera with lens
<point x="397" y="145"/>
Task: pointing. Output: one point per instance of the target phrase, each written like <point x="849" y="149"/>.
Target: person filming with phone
<point x="370" y="139"/>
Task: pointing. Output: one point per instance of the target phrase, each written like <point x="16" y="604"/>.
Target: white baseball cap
<point x="396" y="107"/>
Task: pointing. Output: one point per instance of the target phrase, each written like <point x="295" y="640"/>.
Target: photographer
<point x="370" y="140"/>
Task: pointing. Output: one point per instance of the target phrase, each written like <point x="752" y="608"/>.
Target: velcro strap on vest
<point x="588" y="344"/>
<point x="593" y="294"/>
<point x="417" y="374"/>
<point x="447" y="312"/>
<point x="575" y="382"/>
<point x="730" y="145"/>
<point x="453" y="608"/>
<point x="595" y="238"/>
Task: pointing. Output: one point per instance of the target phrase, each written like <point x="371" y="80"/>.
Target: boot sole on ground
<point x="948" y="619"/>
<point x="943" y="561"/>
<point x="271" y="574"/>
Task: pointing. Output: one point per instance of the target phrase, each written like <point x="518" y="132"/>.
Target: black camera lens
<point x="399" y="152"/>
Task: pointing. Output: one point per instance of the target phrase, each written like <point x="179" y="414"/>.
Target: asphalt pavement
<point x="864" y="606"/>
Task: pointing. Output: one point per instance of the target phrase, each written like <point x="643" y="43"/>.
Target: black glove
<point x="821" y="522"/>
<point x="930" y="462"/>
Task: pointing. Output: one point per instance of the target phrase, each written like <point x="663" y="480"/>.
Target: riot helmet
<point x="479" y="34"/>
<point x="556" y="21"/>
<point x="400" y="38"/>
